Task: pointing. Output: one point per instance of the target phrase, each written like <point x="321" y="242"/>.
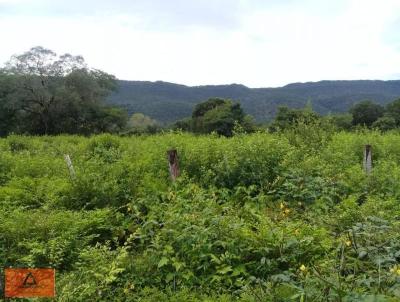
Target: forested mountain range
<point x="168" y="102"/>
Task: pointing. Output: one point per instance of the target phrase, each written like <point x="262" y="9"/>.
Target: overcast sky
<point x="258" y="43"/>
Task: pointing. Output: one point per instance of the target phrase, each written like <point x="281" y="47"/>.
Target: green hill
<point x="168" y="102"/>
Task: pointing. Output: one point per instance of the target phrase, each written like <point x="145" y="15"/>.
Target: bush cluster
<point x="288" y="216"/>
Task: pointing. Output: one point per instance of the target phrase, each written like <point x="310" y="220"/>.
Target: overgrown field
<point x="261" y="217"/>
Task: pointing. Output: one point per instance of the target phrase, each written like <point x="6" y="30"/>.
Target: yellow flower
<point x="297" y="231"/>
<point x="286" y="211"/>
<point x="303" y="268"/>
<point x="282" y="206"/>
<point x="348" y="242"/>
<point x="395" y="270"/>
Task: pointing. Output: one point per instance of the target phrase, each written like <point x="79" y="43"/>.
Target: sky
<point x="257" y="43"/>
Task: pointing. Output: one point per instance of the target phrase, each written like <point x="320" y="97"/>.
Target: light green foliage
<point x="139" y="123"/>
<point x="288" y="216"/>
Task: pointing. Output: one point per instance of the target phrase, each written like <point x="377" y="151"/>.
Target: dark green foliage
<point x="216" y="115"/>
<point x="184" y="124"/>
<point x="41" y="93"/>
<point x="341" y="121"/>
<point x="167" y="102"/>
<point x="366" y="113"/>
<point x="393" y="111"/>
<point x="287" y="118"/>
<point x="220" y="119"/>
<point x="7" y="111"/>
<point x="201" y="109"/>
<point x="385" y="123"/>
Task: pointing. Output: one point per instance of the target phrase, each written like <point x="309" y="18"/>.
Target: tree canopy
<point x="366" y="113"/>
<point x="43" y="93"/>
<point x="287" y="117"/>
<point x="216" y="115"/>
<point x="393" y="111"/>
<point x="139" y="123"/>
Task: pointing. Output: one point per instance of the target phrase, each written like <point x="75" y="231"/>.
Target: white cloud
<point x="199" y="42"/>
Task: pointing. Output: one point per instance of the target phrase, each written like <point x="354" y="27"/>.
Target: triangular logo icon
<point x="29" y="281"/>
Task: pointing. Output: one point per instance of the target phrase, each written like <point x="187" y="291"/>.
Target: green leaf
<point x="225" y="270"/>
<point x="169" y="277"/>
<point x="164" y="261"/>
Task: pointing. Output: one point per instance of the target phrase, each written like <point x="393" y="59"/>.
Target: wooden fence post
<point x="70" y="166"/>
<point x="368" y="158"/>
<point x="173" y="163"/>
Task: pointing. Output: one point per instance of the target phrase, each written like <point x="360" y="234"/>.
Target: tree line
<point x="363" y="114"/>
<point x="224" y="117"/>
<point x="42" y="93"/>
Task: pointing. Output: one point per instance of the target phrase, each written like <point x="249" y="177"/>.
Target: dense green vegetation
<point x="363" y="114"/>
<point x="288" y="216"/>
<point x="168" y="102"/>
<point x="275" y="212"/>
<point x="217" y="115"/>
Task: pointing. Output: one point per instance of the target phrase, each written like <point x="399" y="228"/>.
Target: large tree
<point x="366" y="113"/>
<point x="220" y="116"/>
<point x="7" y="112"/>
<point x="139" y="123"/>
<point x="287" y="117"/>
<point x="393" y="111"/>
<point x="53" y="94"/>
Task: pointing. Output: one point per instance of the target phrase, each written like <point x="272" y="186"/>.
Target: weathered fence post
<point x="70" y="166"/>
<point x="368" y="158"/>
<point x="173" y="163"/>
